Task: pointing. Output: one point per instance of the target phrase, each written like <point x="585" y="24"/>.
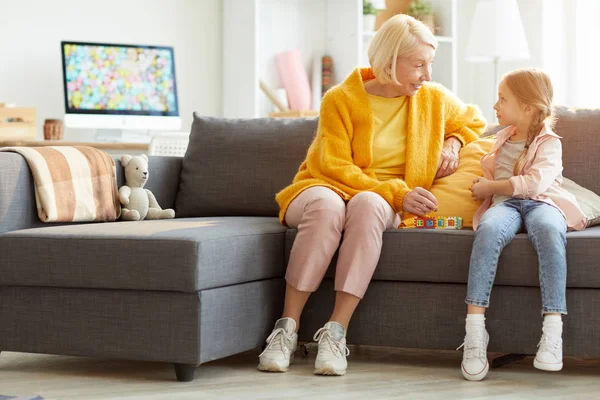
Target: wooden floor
<point x="373" y="373"/>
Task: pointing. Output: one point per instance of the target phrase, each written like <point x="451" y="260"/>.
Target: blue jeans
<point x="547" y="230"/>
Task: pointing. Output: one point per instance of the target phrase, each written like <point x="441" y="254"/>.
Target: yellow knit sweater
<point x="340" y="156"/>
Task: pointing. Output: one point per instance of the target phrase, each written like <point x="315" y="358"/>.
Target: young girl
<point x="521" y="188"/>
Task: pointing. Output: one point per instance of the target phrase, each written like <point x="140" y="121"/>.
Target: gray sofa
<point x="209" y="284"/>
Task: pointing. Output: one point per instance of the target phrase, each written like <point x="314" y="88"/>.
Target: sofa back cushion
<point x="236" y="166"/>
<point x="580" y="130"/>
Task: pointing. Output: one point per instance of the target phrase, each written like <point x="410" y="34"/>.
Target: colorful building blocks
<point x="438" y="223"/>
<point x="429" y="223"/>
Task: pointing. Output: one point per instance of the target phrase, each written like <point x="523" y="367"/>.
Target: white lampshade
<point x="497" y="33"/>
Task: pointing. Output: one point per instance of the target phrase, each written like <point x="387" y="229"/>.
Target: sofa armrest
<point x="163" y="181"/>
<point x="17" y="197"/>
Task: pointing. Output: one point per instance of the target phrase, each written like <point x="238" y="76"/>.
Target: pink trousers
<point x="321" y="216"/>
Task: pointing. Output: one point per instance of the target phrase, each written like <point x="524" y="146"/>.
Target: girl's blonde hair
<point x="532" y="87"/>
<point x="398" y="36"/>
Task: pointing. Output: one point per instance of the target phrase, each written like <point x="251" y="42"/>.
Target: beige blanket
<point x="72" y="184"/>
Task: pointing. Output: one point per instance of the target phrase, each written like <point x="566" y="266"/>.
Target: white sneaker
<point x="549" y="354"/>
<point x="332" y="353"/>
<point x="281" y="345"/>
<point x="475" y="365"/>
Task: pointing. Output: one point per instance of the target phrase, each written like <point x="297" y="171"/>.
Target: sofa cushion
<point x="580" y="130"/>
<point x="453" y="191"/>
<point x="236" y="166"/>
<point x="184" y="255"/>
<point x="419" y="255"/>
<point x="588" y="201"/>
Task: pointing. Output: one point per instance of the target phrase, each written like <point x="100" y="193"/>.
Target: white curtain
<point x="570" y="53"/>
<point x="586" y="63"/>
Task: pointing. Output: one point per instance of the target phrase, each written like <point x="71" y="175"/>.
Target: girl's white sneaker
<point x="475" y="365"/>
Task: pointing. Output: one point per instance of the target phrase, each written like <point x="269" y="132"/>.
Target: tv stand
<point x="116" y="149"/>
<point x="121" y="135"/>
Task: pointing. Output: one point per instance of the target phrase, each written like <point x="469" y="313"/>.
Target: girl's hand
<point x="449" y="158"/>
<point x="481" y="189"/>
<point x="419" y="202"/>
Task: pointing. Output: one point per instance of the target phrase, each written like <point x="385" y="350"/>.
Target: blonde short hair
<point x="398" y="36"/>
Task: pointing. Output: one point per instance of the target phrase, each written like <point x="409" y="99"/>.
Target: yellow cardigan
<point x="340" y="156"/>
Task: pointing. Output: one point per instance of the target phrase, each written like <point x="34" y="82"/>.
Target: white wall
<point x="30" y="56"/>
<point x="240" y="61"/>
<point x="284" y="26"/>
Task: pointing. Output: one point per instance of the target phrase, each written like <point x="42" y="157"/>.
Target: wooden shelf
<point x="295" y="114"/>
<point x="16" y="125"/>
<point x="440" y="39"/>
<point x="445" y="39"/>
<point x="17" y="130"/>
<point x="97" y="145"/>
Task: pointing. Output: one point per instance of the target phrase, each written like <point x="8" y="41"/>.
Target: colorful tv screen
<point x="119" y="79"/>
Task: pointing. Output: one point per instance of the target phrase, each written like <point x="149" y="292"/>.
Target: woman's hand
<point x="419" y="202"/>
<point x="449" y="158"/>
<point x="481" y="189"/>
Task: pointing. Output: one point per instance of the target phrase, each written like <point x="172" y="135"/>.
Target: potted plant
<point x="423" y="11"/>
<point x="369" y="16"/>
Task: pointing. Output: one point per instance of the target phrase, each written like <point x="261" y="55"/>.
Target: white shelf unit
<point x="446" y="60"/>
<point x="441" y="39"/>
<point x="256" y="30"/>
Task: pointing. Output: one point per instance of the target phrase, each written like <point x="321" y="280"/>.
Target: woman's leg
<point x="367" y="216"/>
<point x="497" y="228"/>
<point x="319" y="215"/>
<point x="294" y="303"/>
<point x="547" y="231"/>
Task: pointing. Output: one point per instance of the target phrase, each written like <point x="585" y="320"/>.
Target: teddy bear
<point x="138" y="203"/>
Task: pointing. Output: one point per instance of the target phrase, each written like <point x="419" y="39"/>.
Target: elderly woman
<point x="384" y="135"/>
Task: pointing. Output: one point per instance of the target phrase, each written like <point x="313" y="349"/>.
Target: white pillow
<point x="588" y="201"/>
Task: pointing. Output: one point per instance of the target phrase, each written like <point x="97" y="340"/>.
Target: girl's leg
<point x="367" y="216"/>
<point x="497" y="228"/>
<point x="471" y="309"/>
<point x="319" y="214"/>
<point x="547" y="231"/>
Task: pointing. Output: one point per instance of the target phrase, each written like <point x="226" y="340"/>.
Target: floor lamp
<point x="497" y="34"/>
